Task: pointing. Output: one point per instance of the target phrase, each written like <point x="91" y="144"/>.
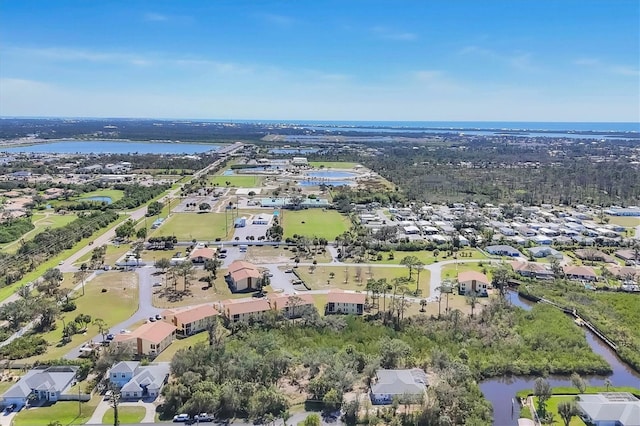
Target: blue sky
<point x="511" y="60"/>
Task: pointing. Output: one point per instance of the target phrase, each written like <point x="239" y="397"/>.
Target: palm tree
<point x="472" y="299"/>
<point x="423" y="303"/>
<point x="419" y="265"/>
<point x="567" y="410"/>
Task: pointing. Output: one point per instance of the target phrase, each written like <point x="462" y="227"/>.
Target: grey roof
<point x="399" y="382"/>
<point x="502" y="248"/>
<point x="52" y="379"/>
<point x="124" y="367"/>
<point x="620" y="407"/>
<point x="151" y="376"/>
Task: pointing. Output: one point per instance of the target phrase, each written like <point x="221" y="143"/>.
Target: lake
<point x="99" y="199"/>
<point x="501" y="392"/>
<point x="112" y="147"/>
<point x="330" y="174"/>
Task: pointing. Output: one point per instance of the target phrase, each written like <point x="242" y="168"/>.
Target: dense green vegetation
<point x="13" y="229"/>
<point x="615" y="313"/>
<point x="327" y="357"/>
<point x="134" y="196"/>
<point x="50" y="242"/>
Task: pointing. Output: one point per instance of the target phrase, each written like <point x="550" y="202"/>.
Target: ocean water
<point x="112" y="147"/>
<point x="460" y="125"/>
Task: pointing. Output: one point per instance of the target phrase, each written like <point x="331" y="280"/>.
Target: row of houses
<point x="151" y="338"/>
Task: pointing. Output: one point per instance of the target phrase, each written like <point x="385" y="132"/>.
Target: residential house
<point x="136" y="381"/>
<point x="398" y="384"/>
<point x="626" y="255"/>
<point x="411" y="230"/>
<point x="623" y="272"/>
<point x="631" y="211"/>
<point x="291" y="305"/>
<point x="532" y="270"/>
<point x="339" y="302"/>
<point x="540" y="252"/>
<point x="503" y="250"/>
<point x="248" y="310"/>
<point x="190" y="321"/>
<point x="202" y="254"/>
<point x="473" y="281"/>
<point x="46" y="384"/>
<point x="243" y="276"/>
<point x="609" y="409"/>
<point x="541" y="239"/>
<point x="149" y="339"/>
<point x="594" y="255"/>
<point x="575" y="272"/>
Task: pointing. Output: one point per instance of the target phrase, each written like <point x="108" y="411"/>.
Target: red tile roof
<point x="189" y="315"/>
<point x="472" y="275"/>
<point x="154" y="332"/>
<point x="204" y="252"/>
<point x="342" y="297"/>
<point x="240" y="270"/>
<point x="233" y="307"/>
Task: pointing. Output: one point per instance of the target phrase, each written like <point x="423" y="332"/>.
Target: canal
<point x="501" y="391"/>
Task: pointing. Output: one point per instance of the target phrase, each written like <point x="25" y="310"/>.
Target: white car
<point x="181" y="418"/>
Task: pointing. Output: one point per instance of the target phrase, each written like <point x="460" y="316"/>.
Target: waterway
<point x="112" y="147"/>
<point x="99" y="198"/>
<point x="501" y="391"/>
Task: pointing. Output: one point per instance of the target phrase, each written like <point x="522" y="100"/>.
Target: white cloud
<point x="155" y="17"/>
<point x="522" y="61"/>
<point x="386" y="33"/>
<point x="276" y="19"/>
<point x="599" y="65"/>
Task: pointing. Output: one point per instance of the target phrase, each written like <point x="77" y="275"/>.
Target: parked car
<point x="157" y="284"/>
<point x="110" y="336"/>
<point x="288" y="271"/>
<point x="222" y="256"/>
<point x="203" y="417"/>
<point x="223" y="250"/>
<point x="158" y="317"/>
<point x="181" y="418"/>
<point x="152" y="319"/>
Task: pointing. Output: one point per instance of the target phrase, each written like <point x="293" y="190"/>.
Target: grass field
<point x="114" y="194"/>
<point x="425" y="256"/>
<point x="53" y="262"/>
<point x="197" y="293"/>
<point x="66" y="412"/>
<point x="41" y="222"/>
<point x="126" y="414"/>
<point x="113" y="254"/>
<point x="282" y="254"/>
<point x="167" y="354"/>
<point x="451" y="271"/>
<point x="317" y="223"/>
<point x="199" y="226"/>
<point x="235" y="181"/>
<point x="624" y="221"/>
<point x="121" y="299"/>
<point x="552" y="407"/>
<point x="333" y="164"/>
<point x="318" y="279"/>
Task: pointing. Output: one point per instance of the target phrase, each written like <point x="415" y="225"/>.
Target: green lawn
<point x="114" y="194"/>
<point x="113" y="254"/>
<point x="237" y="181"/>
<point x="624" y="221"/>
<point x="66" y="412"/>
<point x="126" y="414"/>
<point x="333" y="164"/>
<point x="425" y="256"/>
<point x="118" y="303"/>
<point x="167" y="354"/>
<point x="451" y="271"/>
<point x="552" y="407"/>
<point x="318" y="279"/>
<point x="41" y="222"/>
<point x="314" y="223"/>
<point x="199" y="226"/>
<point x="53" y="262"/>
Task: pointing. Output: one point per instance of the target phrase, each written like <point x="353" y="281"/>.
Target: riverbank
<point x="503" y="392"/>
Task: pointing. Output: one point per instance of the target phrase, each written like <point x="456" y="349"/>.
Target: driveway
<point x="145" y="307"/>
<point x="6" y="419"/>
<point x="104" y="405"/>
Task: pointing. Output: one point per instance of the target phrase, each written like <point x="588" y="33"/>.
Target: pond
<point x="501" y="391"/>
<point x="293" y="150"/>
<point x="332" y="174"/>
<point x="325" y="182"/>
<point x="99" y="199"/>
